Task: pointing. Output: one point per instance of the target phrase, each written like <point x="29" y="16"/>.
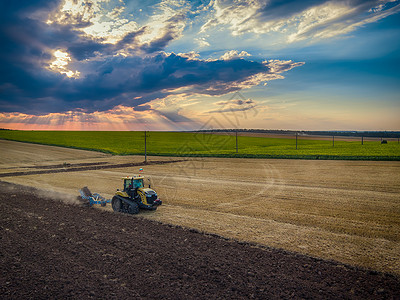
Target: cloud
<point x="143" y="107"/>
<point x="190" y="55"/>
<point x="93" y="18"/>
<point x="88" y="29"/>
<point x="172" y="30"/>
<point x="234" y="105"/>
<point x="130" y="81"/>
<point x="236" y="102"/>
<point x="299" y="20"/>
<point x="56" y="64"/>
<point x="202" y="42"/>
<point x="234" y="54"/>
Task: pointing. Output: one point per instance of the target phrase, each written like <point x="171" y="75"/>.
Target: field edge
<point x="216" y="155"/>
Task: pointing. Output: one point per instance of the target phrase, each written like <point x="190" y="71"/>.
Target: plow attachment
<point x="92" y="199"/>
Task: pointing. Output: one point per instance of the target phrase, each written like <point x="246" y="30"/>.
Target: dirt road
<point x="50" y="249"/>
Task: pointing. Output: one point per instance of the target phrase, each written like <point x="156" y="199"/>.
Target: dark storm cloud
<point x="106" y="81"/>
<point x="11" y="10"/>
<point x="129" y="81"/>
<point x="26" y="86"/>
<point x="21" y="78"/>
<point x="83" y="47"/>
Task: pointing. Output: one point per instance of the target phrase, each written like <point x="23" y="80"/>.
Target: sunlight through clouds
<point x="60" y="63"/>
<point x="94" y="19"/>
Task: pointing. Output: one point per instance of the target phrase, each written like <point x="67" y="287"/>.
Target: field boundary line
<point x="87" y="168"/>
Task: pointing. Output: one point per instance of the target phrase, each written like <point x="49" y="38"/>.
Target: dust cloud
<point x="57" y="196"/>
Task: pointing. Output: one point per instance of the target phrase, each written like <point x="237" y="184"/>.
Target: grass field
<point x="200" y="144"/>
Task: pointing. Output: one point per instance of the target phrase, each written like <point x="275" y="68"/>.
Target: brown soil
<point x="50" y="249"/>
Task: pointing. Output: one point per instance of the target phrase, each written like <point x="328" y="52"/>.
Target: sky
<point x="189" y="65"/>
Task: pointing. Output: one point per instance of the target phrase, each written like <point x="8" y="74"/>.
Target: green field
<point x="201" y="144"/>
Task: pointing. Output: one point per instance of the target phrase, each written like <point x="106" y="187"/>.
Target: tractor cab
<point x="134" y="182"/>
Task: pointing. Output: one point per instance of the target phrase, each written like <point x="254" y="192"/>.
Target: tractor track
<point x="64" y="165"/>
<point x="53" y="250"/>
<point x="83" y="167"/>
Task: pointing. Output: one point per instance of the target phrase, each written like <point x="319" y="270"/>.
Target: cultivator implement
<point x="92" y="199"/>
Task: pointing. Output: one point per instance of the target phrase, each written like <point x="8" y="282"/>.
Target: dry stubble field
<point x="348" y="211"/>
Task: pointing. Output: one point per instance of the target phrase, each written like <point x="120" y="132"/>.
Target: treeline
<point x="376" y="134"/>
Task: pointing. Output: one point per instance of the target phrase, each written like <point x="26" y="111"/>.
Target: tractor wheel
<point x="133" y="209"/>
<point x="116" y="204"/>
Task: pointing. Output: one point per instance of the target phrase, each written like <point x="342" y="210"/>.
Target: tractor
<point x="135" y="196"/>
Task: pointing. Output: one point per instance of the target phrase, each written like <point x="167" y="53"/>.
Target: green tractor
<point x="135" y="196"/>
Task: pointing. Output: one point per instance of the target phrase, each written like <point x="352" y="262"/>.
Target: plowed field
<point x="54" y="250"/>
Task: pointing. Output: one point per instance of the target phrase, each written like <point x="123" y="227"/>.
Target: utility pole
<point x="296" y="140"/>
<point x="362" y="140"/>
<point x="333" y="141"/>
<point x="236" y="142"/>
<point x="145" y="146"/>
